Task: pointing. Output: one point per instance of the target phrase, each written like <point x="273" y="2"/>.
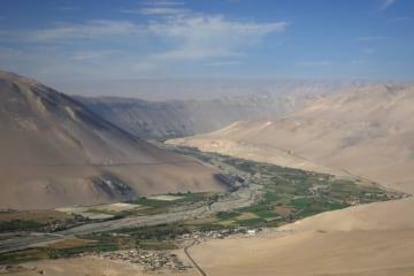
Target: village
<point x="170" y="260"/>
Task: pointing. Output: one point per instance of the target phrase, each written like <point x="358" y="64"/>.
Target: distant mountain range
<point x="243" y="100"/>
<point x="205" y="88"/>
<point x="188" y="117"/>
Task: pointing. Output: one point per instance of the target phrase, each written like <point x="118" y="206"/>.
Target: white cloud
<point x="91" y="29"/>
<point x="169" y="35"/>
<point x="369" y="51"/>
<point x="198" y="36"/>
<point x="386" y="4"/>
<point x="372" y="38"/>
<point x="165" y="3"/>
<point x="357" y="61"/>
<point x="159" y="8"/>
<point x="162" y="11"/>
<point x="224" y="63"/>
<point x="401" y="18"/>
<point x="69" y="8"/>
<point x="194" y="53"/>
<point x="144" y="66"/>
<point x="189" y="36"/>
<point x="207" y="36"/>
<point x="90" y="55"/>
<point x="314" y="63"/>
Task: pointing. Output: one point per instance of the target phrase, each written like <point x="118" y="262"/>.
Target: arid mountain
<point x="368" y="132"/>
<point x="182" y="89"/>
<point x="201" y="106"/>
<point x="150" y="119"/>
<point x="55" y="152"/>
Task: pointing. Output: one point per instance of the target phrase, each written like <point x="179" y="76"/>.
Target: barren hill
<point x="204" y="106"/>
<point x="55" y="152"/>
<point x="367" y="132"/>
<point x="178" y="118"/>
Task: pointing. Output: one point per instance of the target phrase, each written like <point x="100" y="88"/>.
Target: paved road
<point x="20" y="243"/>
<point x="199" y="269"/>
<point x="238" y="199"/>
<point x="32" y="239"/>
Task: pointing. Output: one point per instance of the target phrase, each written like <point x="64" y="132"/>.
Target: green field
<point x="303" y="193"/>
<point x="20" y="225"/>
<point x="286" y="195"/>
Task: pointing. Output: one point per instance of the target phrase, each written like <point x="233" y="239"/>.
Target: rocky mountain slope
<point x="182" y="89"/>
<point x="55" y="152"/>
<point x="151" y="119"/>
<point x="367" y="131"/>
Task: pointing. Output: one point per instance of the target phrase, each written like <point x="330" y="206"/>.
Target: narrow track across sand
<point x="199" y="269"/>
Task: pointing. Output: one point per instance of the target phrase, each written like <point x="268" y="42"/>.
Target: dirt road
<point x="196" y="265"/>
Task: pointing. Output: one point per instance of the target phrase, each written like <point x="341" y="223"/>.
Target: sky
<point x="67" y="40"/>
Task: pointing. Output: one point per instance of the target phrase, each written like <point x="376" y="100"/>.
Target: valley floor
<point x="308" y="247"/>
<point x="370" y="239"/>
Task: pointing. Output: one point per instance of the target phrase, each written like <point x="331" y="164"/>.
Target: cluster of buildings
<point x="216" y="234"/>
<point x="16" y="268"/>
<point x="150" y="260"/>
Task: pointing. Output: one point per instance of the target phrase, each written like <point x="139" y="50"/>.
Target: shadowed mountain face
<point x="216" y="104"/>
<point x="188" y="117"/>
<point x="55" y="152"/>
<point x="367" y="131"/>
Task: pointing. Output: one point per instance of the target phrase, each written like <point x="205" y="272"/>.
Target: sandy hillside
<point x="388" y="215"/>
<point x="336" y="253"/>
<point x="375" y="239"/>
<point x="368" y="132"/>
<point x="55" y="152"/>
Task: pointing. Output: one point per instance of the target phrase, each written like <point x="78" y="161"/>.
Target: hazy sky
<point x="63" y="40"/>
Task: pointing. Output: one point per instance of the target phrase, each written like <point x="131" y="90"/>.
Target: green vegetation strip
<point x="300" y="193"/>
<point x="288" y="195"/>
<point x="20" y="225"/>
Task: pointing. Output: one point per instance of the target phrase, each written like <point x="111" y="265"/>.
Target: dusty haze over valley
<point x="223" y="137"/>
